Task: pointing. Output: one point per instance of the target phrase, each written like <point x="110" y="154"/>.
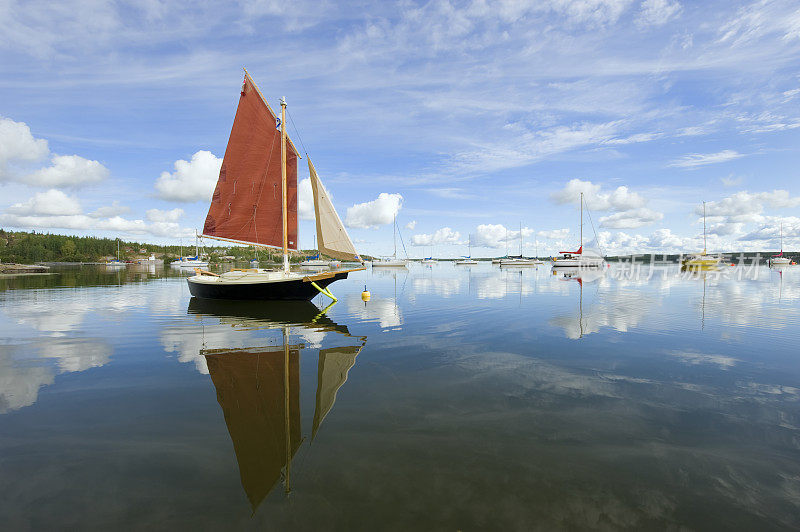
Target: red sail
<point x="246" y="205"/>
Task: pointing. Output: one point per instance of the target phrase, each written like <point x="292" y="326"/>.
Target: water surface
<point x="457" y="398"/>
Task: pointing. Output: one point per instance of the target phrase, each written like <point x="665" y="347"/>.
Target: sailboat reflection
<point x="581" y="275"/>
<point x="258" y="388"/>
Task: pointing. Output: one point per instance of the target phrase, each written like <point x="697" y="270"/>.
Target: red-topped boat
<point x="255" y="203"/>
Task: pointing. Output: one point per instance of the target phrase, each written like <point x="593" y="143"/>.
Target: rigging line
<point x="401" y="238"/>
<point x="594" y="230"/>
<point x="297" y="131"/>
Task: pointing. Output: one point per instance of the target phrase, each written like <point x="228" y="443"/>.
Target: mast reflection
<point x="258" y="388"/>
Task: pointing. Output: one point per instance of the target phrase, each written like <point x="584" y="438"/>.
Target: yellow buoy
<point x="365" y="295"/>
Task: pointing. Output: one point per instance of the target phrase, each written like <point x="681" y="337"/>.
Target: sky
<point x="465" y="120"/>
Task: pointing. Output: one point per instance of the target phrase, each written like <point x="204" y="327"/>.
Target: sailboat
<point x="701" y="260"/>
<point x="583" y="258"/>
<point x="192" y="262"/>
<point x="314" y="261"/>
<point x="392" y="262"/>
<point x="779" y="259"/>
<point x="255" y="203"/>
<point x="468" y="258"/>
<point x="258" y="388"/>
<point x="115" y="263"/>
<point x="429" y="260"/>
<point x="520" y="260"/>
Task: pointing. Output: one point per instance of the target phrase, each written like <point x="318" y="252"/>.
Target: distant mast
<point x="581" y="247"/>
<point x="704" y="228"/>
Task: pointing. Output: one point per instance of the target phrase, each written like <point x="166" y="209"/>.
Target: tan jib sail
<point x="247" y="202"/>
<point x="251" y="390"/>
<point x="334" y="364"/>
<point x="332" y="238"/>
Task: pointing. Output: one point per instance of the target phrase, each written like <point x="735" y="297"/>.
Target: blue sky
<point x="463" y="118"/>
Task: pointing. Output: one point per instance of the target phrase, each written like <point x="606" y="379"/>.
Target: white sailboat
<point x="192" y="262"/>
<point x="779" y="259"/>
<point x="701" y="260"/>
<point x="520" y="260"/>
<point x="315" y="261"/>
<point x="429" y="260"/>
<point x="261" y="214"/>
<point x="393" y="262"/>
<point x="467" y="260"/>
<point x="583" y="258"/>
<point x="115" y="263"/>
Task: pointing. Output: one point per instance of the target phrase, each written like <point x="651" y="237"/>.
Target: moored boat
<point x="467" y="259"/>
<point x="266" y="220"/>
<point x="780" y="259"/>
<point x="393" y="261"/>
<point x="704" y="260"/>
<point x="582" y="258"/>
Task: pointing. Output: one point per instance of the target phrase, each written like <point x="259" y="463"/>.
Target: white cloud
<point x="17" y="145"/>
<point x="411" y="225"/>
<point x="664" y="239"/>
<point x="192" y="180"/>
<point x="52" y="202"/>
<point x="497" y="235"/>
<point x="372" y="214"/>
<point x="700" y="159"/>
<point x="745" y="206"/>
<point x="54" y="209"/>
<point x="114" y="209"/>
<point x="305" y="200"/>
<point x="657" y="12"/>
<point x="731" y="180"/>
<point x="68" y="171"/>
<point x="157" y="215"/>
<point x="620" y="199"/>
<point x="631" y="219"/>
<point x="771" y="231"/>
<point x="555" y="234"/>
<point x="445" y="235"/>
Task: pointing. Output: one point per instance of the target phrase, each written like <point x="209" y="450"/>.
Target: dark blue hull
<point x="292" y="290"/>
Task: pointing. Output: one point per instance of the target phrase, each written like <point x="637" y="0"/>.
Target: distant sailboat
<point x="701" y="260"/>
<point x="116" y="263"/>
<point x="521" y="260"/>
<point x="255" y="203"/>
<point x="393" y="262"/>
<point x="429" y="260"/>
<point x="583" y="258"/>
<point x="779" y="259"/>
<point x="314" y="261"/>
<point x="192" y="262"/>
<point x="467" y="260"/>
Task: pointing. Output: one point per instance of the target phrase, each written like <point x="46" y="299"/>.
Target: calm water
<point x="458" y="398"/>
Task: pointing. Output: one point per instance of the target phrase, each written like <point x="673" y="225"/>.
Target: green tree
<point x="68" y="249"/>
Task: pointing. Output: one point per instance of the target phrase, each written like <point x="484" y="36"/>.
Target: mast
<point x="581" y="221"/>
<point x="520" y="240"/>
<point x="781" y="237"/>
<point x="394" y="235"/>
<point x="284" y="206"/>
<point x="704" y="228"/>
<point x="287" y="484"/>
